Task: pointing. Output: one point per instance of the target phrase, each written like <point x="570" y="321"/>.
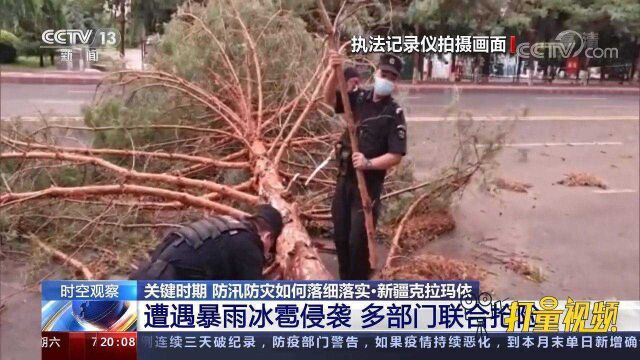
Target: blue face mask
<point x="382" y="86"/>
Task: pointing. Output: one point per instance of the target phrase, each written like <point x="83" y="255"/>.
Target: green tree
<point x="86" y="14"/>
<point x="29" y="18"/>
<point x="8" y="44"/>
<point x="149" y="16"/>
<point x="538" y="20"/>
<point x="455" y="17"/>
<point x="618" y="24"/>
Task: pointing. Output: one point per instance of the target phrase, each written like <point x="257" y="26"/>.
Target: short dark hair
<point x="270" y="218"/>
<point x="351" y="72"/>
<point x="261" y="224"/>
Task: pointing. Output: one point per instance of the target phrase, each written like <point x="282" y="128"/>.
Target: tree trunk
<point x="588" y="73"/>
<point x="635" y="65"/>
<point x="122" y="24"/>
<point x="486" y="67"/>
<point x="295" y="255"/>
<point x="416" y="68"/>
<point x="452" y="68"/>
<point x="531" y="37"/>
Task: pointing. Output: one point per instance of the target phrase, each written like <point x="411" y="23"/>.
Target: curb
<point x="535" y="89"/>
<point x="70" y="119"/>
<point x="50" y="78"/>
<point x="410" y="118"/>
<point x="52" y="119"/>
<point x="62" y="78"/>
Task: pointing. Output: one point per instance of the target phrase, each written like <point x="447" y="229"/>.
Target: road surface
<point x="31" y="100"/>
<point x="584" y="240"/>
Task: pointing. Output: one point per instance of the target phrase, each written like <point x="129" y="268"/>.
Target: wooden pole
<point x="348" y="116"/>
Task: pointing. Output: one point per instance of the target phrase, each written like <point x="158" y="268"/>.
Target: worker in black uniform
<point x="382" y="140"/>
<point x="216" y="248"/>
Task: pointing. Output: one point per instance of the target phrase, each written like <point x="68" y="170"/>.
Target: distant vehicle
<point x="497" y="69"/>
<point x="618" y="72"/>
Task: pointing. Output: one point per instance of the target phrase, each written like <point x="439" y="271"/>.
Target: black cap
<point x="390" y="62"/>
<point x="350" y="72"/>
<point x="271" y="216"/>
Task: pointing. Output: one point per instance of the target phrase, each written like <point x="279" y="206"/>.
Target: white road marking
<point x="615" y="191"/>
<point x="59" y="101"/>
<point x="569" y="98"/>
<point x="549" y="144"/>
<point x="52" y="119"/>
<point x="526" y="118"/>
<point x="81" y="91"/>
<point x="593" y="143"/>
<point x="609" y="106"/>
<point x="429" y="105"/>
<point x="413" y="97"/>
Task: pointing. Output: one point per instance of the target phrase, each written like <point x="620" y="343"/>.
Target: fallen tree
<point x="217" y="61"/>
<point x="231" y="115"/>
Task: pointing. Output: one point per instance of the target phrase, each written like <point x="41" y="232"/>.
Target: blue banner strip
<point x="89" y="290"/>
<point x="307" y="290"/>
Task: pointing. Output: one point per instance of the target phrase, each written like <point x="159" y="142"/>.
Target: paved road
<point x="500" y="104"/>
<point x="585" y="240"/>
<point x="32" y="100"/>
<point x="565" y="133"/>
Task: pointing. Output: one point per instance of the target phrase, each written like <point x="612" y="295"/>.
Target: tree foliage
<point x="230" y="115"/>
<point x="219" y="123"/>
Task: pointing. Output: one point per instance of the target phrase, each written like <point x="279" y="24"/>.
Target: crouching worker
<point x="216" y="248"/>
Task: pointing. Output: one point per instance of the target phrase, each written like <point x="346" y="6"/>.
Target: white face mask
<point x="382" y="86"/>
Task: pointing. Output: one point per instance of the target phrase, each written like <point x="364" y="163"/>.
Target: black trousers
<point x="350" y="233"/>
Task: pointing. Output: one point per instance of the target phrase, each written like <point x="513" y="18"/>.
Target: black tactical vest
<point x="194" y="234"/>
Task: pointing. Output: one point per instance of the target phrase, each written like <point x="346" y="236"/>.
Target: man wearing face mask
<point x="382" y="133"/>
<point x="216" y="248"/>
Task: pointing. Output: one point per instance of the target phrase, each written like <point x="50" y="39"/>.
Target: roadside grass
<point x="28" y="63"/>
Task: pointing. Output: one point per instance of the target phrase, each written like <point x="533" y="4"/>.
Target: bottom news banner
<point x="126" y="320"/>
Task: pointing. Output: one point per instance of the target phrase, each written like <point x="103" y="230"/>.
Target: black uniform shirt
<point x="234" y="255"/>
<point x="380" y="126"/>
